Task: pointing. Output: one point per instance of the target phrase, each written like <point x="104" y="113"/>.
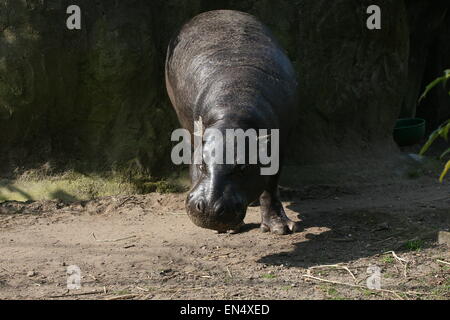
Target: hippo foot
<point x="273" y="217"/>
<point x="280" y="226"/>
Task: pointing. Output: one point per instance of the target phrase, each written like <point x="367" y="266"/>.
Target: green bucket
<point x="409" y="131"/>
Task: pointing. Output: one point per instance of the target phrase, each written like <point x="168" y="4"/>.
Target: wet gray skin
<point x="226" y="68"/>
<point x="221" y="193"/>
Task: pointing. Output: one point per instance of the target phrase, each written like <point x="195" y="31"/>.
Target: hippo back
<point x="224" y="62"/>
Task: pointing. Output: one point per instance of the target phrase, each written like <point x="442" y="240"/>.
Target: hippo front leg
<point x="273" y="217"/>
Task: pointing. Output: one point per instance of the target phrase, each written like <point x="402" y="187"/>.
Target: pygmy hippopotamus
<point x="226" y="69"/>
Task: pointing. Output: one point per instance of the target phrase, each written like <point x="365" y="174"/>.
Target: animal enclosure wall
<point x="97" y="95"/>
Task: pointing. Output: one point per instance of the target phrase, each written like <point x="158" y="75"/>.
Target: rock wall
<point x="353" y="79"/>
<point x="97" y="95"/>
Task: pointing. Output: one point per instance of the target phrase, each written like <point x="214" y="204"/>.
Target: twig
<point x="148" y="296"/>
<point x="123" y="297"/>
<point x="112" y="240"/>
<point x="178" y="214"/>
<point x="384" y="240"/>
<point x="7" y="271"/>
<point x="335" y="266"/>
<point x="397" y="295"/>
<point x="122" y="203"/>
<point x="403" y="262"/>
<point x="143" y="289"/>
<point x="170" y="298"/>
<point x="444" y="262"/>
<point x="169" y="290"/>
<point x="397" y="257"/>
<point x="78" y="294"/>
<point x="93" y="278"/>
<point x="395" y="292"/>
<point x="229" y="272"/>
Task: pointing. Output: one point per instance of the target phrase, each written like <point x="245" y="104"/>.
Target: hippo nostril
<point x="200" y="206"/>
<point x="219" y="209"/>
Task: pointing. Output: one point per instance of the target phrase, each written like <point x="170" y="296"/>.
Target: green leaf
<point x="446" y="76"/>
<point x="434" y="83"/>
<point x="430" y="141"/>
<point x="446" y="152"/>
<point x="444" y="173"/>
<point x="445" y="131"/>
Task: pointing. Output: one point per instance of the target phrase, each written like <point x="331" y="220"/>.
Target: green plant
<point x="414" y="245"/>
<point x="331" y="292"/>
<point x="387" y="259"/>
<point x="442" y="291"/>
<point x="444" y="129"/>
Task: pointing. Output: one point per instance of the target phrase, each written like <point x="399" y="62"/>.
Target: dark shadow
<point x="19" y="191"/>
<point x="248" y="227"/>
<point x="56" y="195"/>
<point x="343" y="236"/>
<point x="63" y="196"/>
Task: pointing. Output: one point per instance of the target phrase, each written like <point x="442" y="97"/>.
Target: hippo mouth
<point x="206" y="222"/>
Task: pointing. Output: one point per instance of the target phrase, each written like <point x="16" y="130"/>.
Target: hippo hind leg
<point x="273" y="217"/>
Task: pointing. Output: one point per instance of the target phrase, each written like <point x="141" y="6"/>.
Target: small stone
<point x="165" y="271"/>
<point x="31" y="274"/>
<point x="382" y="227"/>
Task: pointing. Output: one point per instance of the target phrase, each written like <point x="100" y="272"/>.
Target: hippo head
<point x="221" y="192"/>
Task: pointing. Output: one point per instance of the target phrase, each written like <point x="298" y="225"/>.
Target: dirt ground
<point x="145" y="247"/>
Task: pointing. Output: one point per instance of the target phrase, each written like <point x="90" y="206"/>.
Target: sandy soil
<point x="145" y="247"/>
